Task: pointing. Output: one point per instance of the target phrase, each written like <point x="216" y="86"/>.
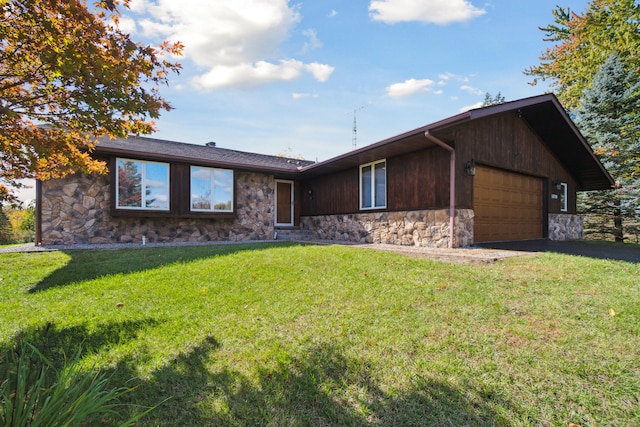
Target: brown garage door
<point x="507" y="206"/>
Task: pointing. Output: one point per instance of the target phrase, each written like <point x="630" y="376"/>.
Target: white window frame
<point x="212" y="196"/>
<point x="564" y="197"/>
<point x="143" y="184"/>
<point x="373" y="186"/>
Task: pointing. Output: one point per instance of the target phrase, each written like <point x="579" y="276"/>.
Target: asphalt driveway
<point x="573" y="247"/>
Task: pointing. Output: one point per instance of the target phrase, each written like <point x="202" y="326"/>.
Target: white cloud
<point x="430" y="11"/>
<point x="297" y="95"/>
<point x="471" y="107"/>
<point x="229" y="36"/>
<point x="246" y="76"/>
<point x="313" y="43"/>
<point x="155" y="184"/>
<point x="472" y="90"/>
<point x="127" y="25"/>
<point x="445" y="77"/>
<point x="409" y="87"/>
<point x="321" y="72"/>
<point x="333" y="13"/>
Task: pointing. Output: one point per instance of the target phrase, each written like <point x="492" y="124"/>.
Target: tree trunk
<point x="617" y="225"/>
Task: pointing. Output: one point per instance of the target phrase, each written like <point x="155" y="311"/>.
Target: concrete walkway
<point x="464" y="255"/>
<point x="478" y="254"/>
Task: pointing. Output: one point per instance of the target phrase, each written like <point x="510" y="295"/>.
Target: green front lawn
<point x="283" y="334"/>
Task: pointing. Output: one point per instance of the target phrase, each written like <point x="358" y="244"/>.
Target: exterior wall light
<point x="470" y="168"/>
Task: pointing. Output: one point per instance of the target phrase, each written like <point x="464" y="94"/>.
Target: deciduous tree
<point x="69" y="75"/>
<point x="583" y="41"/>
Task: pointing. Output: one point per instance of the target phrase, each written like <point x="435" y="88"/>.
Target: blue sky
<point x="284" y="77"/>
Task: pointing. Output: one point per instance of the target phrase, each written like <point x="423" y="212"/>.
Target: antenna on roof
<point x="354" y="135"/>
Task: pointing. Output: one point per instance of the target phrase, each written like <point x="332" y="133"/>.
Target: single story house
<point x="503" y="172"/>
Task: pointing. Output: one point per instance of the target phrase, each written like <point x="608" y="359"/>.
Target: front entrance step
<point x="294" y="235"/>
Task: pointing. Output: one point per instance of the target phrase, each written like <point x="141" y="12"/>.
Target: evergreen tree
<point x="493" y="100"/>
<point x="582" y="41"/>
<point x="6" y="231"/>
<point x="607" y="118"/>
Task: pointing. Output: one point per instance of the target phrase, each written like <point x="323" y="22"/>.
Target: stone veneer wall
<point x="76" y="210"/>
<point x="565" y="227"/>
<point x="427" y="228"/>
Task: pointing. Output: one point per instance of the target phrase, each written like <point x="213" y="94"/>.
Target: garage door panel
<point x="507" y="206"/>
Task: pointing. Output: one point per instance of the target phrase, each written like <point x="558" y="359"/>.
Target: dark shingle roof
<point x="157" y="149"/>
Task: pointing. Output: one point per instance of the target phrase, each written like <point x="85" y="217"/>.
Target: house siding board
<point x="418" y="180"/>
<point x="506" y="142"/>
<point x="331" y="194"/>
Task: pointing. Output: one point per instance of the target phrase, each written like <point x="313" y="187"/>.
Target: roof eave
<point x="110" y="151"/>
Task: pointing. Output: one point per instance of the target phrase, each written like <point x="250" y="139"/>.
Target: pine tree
<point x="608" y="119"/>
<point x="493" y="100"/>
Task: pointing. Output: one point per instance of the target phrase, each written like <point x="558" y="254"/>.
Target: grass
<point x="281" y="334"/>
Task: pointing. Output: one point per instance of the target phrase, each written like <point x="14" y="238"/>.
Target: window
<point x="211" y="190"/>
<point x="373" y="185"/>
<point x="563" y="197"/>
<point x="142" y="185"/>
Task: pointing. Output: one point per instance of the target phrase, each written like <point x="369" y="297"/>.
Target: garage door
<point x="507" y="206"/>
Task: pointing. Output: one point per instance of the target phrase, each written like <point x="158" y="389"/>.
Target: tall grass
<point x="34" y="393"/>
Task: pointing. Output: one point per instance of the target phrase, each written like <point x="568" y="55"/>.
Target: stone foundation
<point x="427" y="228"/>
<point x="565" y="227"/>
<point x="76" y="210"/>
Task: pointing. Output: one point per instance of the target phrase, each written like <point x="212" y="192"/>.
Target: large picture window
<point x="373" y="185"/>
<point x="211" y="189"/>
<point x="142" y="185"/>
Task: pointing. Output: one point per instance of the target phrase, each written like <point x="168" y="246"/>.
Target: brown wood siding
<point x="331" y="194"/>
<point x="506" y="141"/>
<point x="507" y="206"/>
<point x="418" y="180"/>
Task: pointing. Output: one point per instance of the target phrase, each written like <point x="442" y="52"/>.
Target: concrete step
<point x="294" y="235"/>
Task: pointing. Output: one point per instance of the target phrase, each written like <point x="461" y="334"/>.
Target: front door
<point x="284" y="203"/>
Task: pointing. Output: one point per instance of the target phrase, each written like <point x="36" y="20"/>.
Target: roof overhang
<point x="398" y="145"/>
<point x="160" y="150"/>
<point x="544" y="115"/>
<point x="548" y="119"/>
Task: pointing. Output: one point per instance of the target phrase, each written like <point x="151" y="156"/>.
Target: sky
<point x="287" y="77"/>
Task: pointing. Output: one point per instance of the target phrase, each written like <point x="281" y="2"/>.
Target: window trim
<point x="143" y="180"/>
<point x="212" y="180"/>
<point x="373" y="185"/>
<point x="564" y="197"/>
